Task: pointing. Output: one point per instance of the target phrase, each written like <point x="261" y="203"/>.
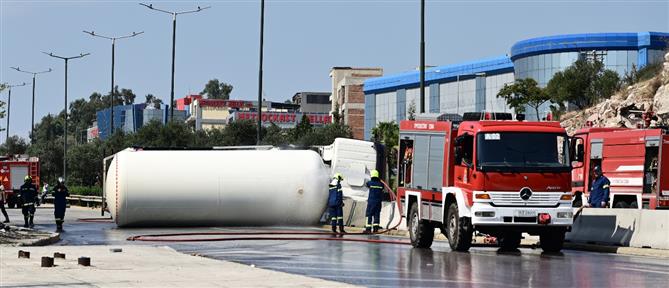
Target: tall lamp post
<point x="9" y="108"/>
<point x="422" y="56"/>
<point x="66" y="59"/>
<point x="174" y="39"/>
<point x="262" y="34"/>
<point x="32" y="123"/>
<point x="111" y="94"/>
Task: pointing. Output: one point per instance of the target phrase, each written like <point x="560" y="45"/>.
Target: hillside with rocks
<point x="625" y="107"/>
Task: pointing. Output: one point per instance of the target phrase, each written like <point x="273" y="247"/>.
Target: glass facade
<point x="473" y="86"/>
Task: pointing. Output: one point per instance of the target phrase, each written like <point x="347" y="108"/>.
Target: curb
<point x="53" y="238"/>
<point x="631" y="251"/>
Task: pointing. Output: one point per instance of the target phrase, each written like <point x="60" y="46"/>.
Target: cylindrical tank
<point x="216" y="187"/>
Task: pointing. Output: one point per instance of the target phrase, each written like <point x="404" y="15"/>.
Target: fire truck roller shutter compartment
<point x="216" y="187"/>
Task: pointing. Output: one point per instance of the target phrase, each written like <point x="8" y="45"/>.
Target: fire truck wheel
<point x="552" y="241"/>
<point x="459" y="230"/>
<point x="421" y="232"/>
<point x="509" y="241"/>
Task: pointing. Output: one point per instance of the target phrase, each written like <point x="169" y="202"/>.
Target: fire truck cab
<point x="498" y="177"/>
<point x="636" y="161"/>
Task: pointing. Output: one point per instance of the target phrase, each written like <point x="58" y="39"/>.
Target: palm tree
<point x="388" y="133"/>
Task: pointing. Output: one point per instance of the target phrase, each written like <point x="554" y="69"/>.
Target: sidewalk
<point x="138" y="266"/>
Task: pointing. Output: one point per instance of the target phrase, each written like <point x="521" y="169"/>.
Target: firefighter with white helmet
<point x="60" y="193"/>
<point x="336" y="204"/>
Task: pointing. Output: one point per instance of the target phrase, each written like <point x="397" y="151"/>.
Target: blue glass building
<point x="473" y="86"/>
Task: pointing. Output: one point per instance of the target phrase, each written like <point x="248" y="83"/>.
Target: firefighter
<point x="2" y="203"/>
<point x="599" y="191"/>
<point x="373" y="203"/>
<point x="60" y="194"/>
<point x="29" y="198"/>
<point x="336" y="204"/>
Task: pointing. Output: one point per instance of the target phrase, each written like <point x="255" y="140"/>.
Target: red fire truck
<point x="498" y="177"/>
<point x="12" y="172"/>
<point x="636" y="161"/>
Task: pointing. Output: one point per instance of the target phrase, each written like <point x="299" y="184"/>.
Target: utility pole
<point x="174" y="39"/>
<point x="111" y="93"/>
<point x="32" y="122"/>
<point x="66" y="59"/>
<point x="262" y="32"/>
<point x="422" y="56"/>
<point x="9" y="109"/>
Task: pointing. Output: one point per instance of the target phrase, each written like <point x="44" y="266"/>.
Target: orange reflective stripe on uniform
<point x="605" y="186"/>
<point x="377" y="187"/>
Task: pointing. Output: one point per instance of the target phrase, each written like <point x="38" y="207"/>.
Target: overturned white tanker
<point x="216" y="187"/>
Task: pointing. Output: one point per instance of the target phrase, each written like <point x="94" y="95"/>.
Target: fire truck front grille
<point x="513" y="199"/>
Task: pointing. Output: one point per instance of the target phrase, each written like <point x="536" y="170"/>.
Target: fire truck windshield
<point x="522" y="152"/>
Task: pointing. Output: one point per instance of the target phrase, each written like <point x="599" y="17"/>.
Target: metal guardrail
<point x="80" y="200"/>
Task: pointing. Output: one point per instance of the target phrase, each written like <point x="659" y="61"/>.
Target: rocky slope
<point x="624" y="109"/>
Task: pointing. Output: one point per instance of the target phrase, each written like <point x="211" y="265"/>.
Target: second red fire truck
<point x="636" y="161"/>
<point x="497" y="177"/>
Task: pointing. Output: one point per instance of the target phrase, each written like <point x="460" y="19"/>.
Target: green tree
<point x="14" y="145"/>
<point x="388" y="134"/>
<point x="303" y="128"/>
<point x="522" y="93"/>
<point x="217" y="90"/>
<point x="325" y="135"/>
<point x="84" y="164"/>
<point x="583" y="84"/>
<point x="240" y="133"/>
<point x="153" y="101"/>
<point x="411" y="112"/>
<point x="336" y="117"/>
<point x="274" y="135"/>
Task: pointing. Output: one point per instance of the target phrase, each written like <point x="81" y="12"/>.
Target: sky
<point x="303" y="40"/>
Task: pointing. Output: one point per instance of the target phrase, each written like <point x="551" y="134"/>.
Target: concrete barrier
<point x="622" y="227"/>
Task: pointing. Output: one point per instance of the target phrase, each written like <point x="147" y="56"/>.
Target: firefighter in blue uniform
<point x="29" y="199"/>
<point x="60" y="194"/>
<point x="374" y="203"/>
<point x="599" y="193"/>
<point x="336" y="204"/>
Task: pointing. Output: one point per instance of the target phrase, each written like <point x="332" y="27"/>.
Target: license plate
<point x="525" y="213"/>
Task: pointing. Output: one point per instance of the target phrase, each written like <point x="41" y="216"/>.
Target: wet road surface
<point x="376" y="265"/>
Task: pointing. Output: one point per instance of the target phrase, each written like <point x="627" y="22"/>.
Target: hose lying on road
<point x="257" y="235"/>
<point x="97" y="220"/>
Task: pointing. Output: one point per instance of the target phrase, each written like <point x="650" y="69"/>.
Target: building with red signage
<point x="282" y="119"/>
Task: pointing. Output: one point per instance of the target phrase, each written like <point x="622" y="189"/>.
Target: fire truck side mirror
<point x="579" y="152"/>
<point x="458" y="155"/>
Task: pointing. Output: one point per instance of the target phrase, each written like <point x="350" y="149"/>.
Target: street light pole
<point x="262" y="34"/>
<point x="9" y="109"/>
<point x="174" y="39"/>
<point x="422" y="56"/>
<point x="111" y="93"/>
<point x="66" y="59"/>
<point x="32" y="122"/>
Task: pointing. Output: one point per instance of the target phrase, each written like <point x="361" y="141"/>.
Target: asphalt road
<point x="386" y="264"/>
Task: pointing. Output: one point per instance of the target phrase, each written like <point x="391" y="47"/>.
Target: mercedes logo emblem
<point x="525" y="194"/>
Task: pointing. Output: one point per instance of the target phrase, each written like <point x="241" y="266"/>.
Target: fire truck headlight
<point x="566" y="197"/>
<point x="484" y="214"/>
<point x="484" y="196"/>
<point x="565" y="215"/>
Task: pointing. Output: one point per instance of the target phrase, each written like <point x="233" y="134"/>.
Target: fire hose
<point x="258" y="235"/>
